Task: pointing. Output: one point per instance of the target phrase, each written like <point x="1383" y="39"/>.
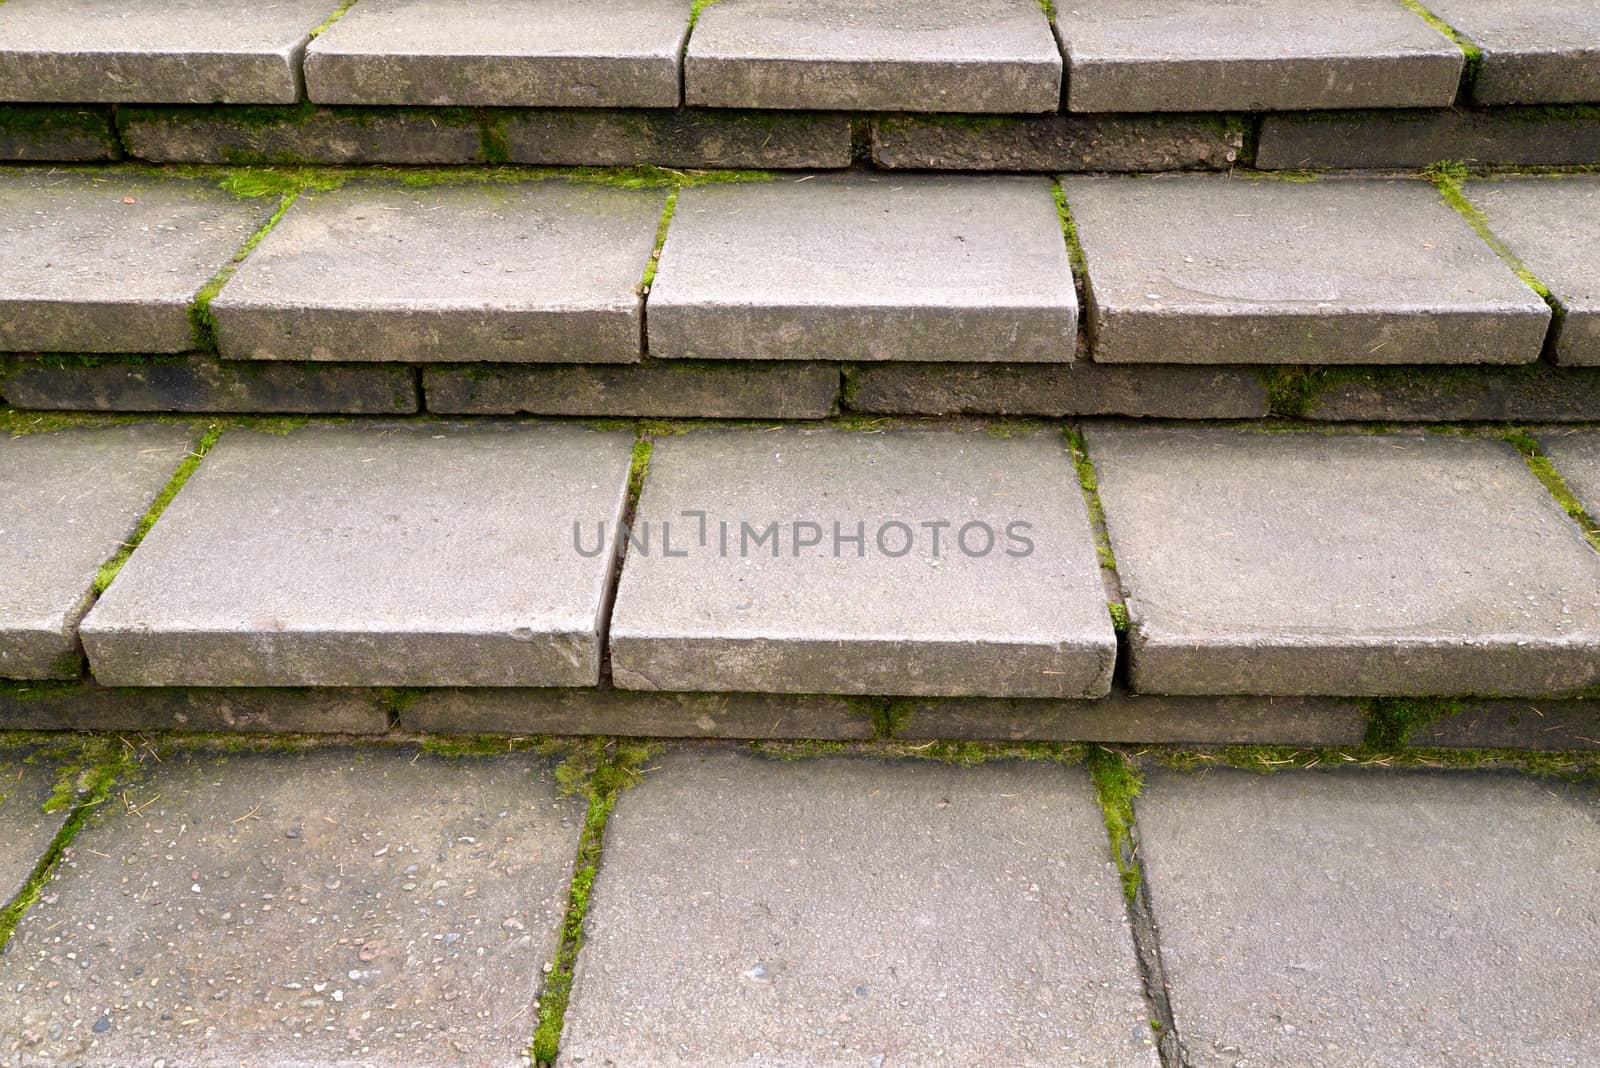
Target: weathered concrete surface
<point x="663" y="389"/>
<point x="866" y="268"/>
<point x="1344" y="564"/>
<point x="373" y="554"/>
<point x="68" y="499"/>
<point x="874" y="55"/>
<point x="377" y="271"/>
<point x="1536" y="392"/>
<point x="86" y="706"/>
<point x="1198" y="269"/>
<point x="1565" y="725"/>
<point x="1408" y="919"/>
<point x="851" y="912"/>
<point x="301" y="135"/>
<point x="1078" y="388"/>
<point x="28" y="776"/>
<point x="1545" y="53"/>
<point x="110" y="262"/>
<point x="683" y="137"/>
<point x="326" y="907"/>
<point x="1199" y="55"/>
<point x="913" y="610"/>
<point x="1553" y="227"/>
<point x="594" y="53"/>
<point x="156" y="51"/>
<point x="199" y="382"/>
<point x="1549" y="137"/>
<point x="1058" y="143"/>
<point x="1576" y="455"/>
<point x="64" y="134"/>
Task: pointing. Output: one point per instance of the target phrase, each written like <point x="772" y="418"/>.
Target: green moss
<point x="1390" y="720"/>
<point x="1293" y="177"/>
<point x="54" y="118"/>
<point x="1546" y="473"/>
<point x="202" y="323"/>
<point x="1012" y="427"/>
<point x="695" y="9"/>
<point x="108" y="570"/>
<point x="338" y="13"/>
<point x="890" y="717"/>
<point x="493" y="144"/>
<point x="1119" y="617"/>
<point x="1069" y="232"/>
<point x="1117" y="781"/>
<point x="1291" y="390"/>
<point x="1472" y="52"/>
<point x="654" y="262"/>
<point x="638" y="467"/>
<point x="1447" y="177"/>
<point x="1091" y="493"/>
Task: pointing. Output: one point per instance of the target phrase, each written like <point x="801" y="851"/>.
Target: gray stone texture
<point x="1563" y="725"/>
<point x="837" y="912"/>
<point x="1576" y="456"/>
<point x="531" y="53"/>
<point x="859" y="267"/>
<point x="1553" y="227"/>
<point x="1405" y="919"/>
<point x="301" y="135"/>
<point x="874" y="55"/>
<point x="86" y="706"/>
<point x="1544" y="53"/>
<point x="384" y="272"/>
<point x="331" y="907"/>
<point x="28" y="777"/>
<point x="108" y="261"/>
<point x="199" y="382"/>
<point x="638" y="713"/>
<point x="57" y="134"/>
<point x="1532" y="392"/>
<point x="663" y="389"/>
<point x="687" y="137"/>
<point x="1548" y="137"/>
<point x="1058" y="143"/>
<point x="372" y="554"/>
<point x="1078" y="388"/>
<point x="1258" y="55"/>
<point x="156" y="51"/>
<point x="1200" y="269"/>
<point x="1316" y="563"/>
<point x="68" y="500"/>
<point x="909" y="612"/>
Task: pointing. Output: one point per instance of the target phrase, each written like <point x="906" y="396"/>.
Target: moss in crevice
<point x="1447" y="177"/>
<point x="1391" y="720"/>
<point x="191" y="462"/>
<point x="1089" y="483"/>
<point x="1291" y="390"/>
<point x="338" y="13"/>
<point x="1473" y="54"/>
<point x="654" y="263"/>
<point x="1546" y="473"/>
<point x="1117" y="781"/>
<point x="202" y="324"/>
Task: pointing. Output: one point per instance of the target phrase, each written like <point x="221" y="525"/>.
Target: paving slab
<point x="299" y="135"/>
<point x="874" y="55"/>
<point x="506" y="53"/>
<point x="1539" y="392"/>
<point x="1059" y="143"/>
<point x="381" y="271"/>
<point x="1408" y="919"/>
<point x="98" y="262"/>
<point x="1545" y="53"/>
<point x="1553" y="227"/>
<point x="1547" y="725"/>
<point x="30" y="811"/>
<point x="1416" y="138"/>
<point x="373" y="554"/>
<point x="1313" y="563"/>
<point x="865" y="268"/>
<point x="156" y="51"/>
<point x="680" y="137"/>
<point x="975" y="572"/>
<point x="68" y="500"/>
<point x="838" y="912"/>
<point x="87" y="706"/>
<point x="30" y="133"/>
<point x="1202" y="269"/>
<point x="1576" y="455"/>
<point x="1266" y="55"/>
<point x="322" y="907"/>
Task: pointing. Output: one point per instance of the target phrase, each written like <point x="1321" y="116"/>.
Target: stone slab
<point x="384" y="272"/>
<point x="28" y="776"/>
<point x="1407" y="919"/>
<point x="1576" y="455"/>
<point x="508" y="53"/>
<point x="1545" y="137"/>
<point x="800" y="912"/>
<point x="1058" y="143"/>
<point x="333" y="906"/>
<point x="912" y="611"/>
<point x="156" y="51"/>
<point x="1200" y="269"/>
<point x="86" y="706"/>
<point x="684" y="137"/>
<point x="1536" y="725"/>
<point x="1553" y="227"/>
<point x="110" y="262"/>
<point x="866" y="268"/>
<point x="662" y="389"/>
<point x="199" y="382"/>
<point x="58" y="134"/>
<point x="1078" y="388"/>
<point x="1361" y="564"/>
<point x="302" y="135"/>
<point x="68" y="500"/>
<point x="1546" y="53"/>
<point x="1283" y="55"/>
<point x="1533" y="392"/>
<point x="372" y="554"/>
<point x="874" y="55"/>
